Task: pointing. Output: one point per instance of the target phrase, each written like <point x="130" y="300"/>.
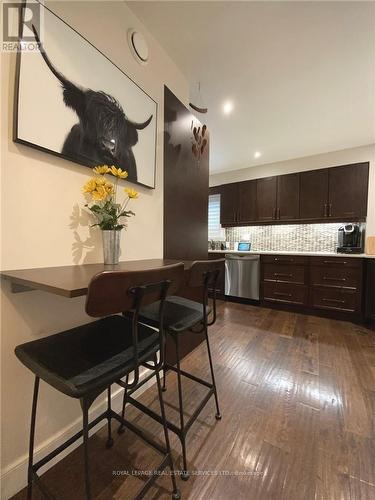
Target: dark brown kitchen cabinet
<point x="229" y="204"/>
<point x="266" y="199"/>
<point x="288" y="197"/>
<point x="285" y="293"/>
<point x="284" y="279"/>
<point x="316" y="283"/>
<point x="314" y="194"/>
<point x="337" y="299"/>
<point x="347" y="277"/>
<point x="348" y="192"/>
<point x="278" y="198"/>
<point x="329" y="194"/>
<point x="370" y="289"/>
<point x="247" y="201"/>
<point x="336" y="283"/>
<point x="284" y="273"/>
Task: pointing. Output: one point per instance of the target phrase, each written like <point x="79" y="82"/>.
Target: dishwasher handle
<point x="230" y="256"/>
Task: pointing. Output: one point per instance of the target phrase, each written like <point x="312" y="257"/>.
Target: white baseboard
<point x="14" y="476"/>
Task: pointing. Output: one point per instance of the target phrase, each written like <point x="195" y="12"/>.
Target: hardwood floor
<point x="297" y="395"/>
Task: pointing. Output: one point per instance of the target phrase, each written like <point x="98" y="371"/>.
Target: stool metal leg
<point x="218" y="414"/>
<point x="184" y="474"/>
<point x="164" y="388"/>
<point x="121" y="429"/>
<point x="176" y="492"/>
<point x="85" y="414"/>
<point x="109" y="442"/>
<point x="32" y="438"/>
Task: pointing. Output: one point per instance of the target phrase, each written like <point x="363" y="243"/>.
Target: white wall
<point x="346" y="156"/>
<point x="42" y="225"/>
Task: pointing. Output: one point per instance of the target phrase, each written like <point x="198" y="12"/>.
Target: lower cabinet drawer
<point x="284" y="273"/>
<point x="299" y="260"/>
<point x="355" y="262"/>
<point x="335" y="299"/>
<point x="337" y="277"/>
<point x="285" y="292"/>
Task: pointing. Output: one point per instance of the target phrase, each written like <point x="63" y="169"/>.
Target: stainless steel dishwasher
<point x="242" y="275"/>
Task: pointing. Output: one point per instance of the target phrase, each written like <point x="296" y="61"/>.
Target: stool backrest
<point x="205" y="272"/>
<point x="113" y="292"/>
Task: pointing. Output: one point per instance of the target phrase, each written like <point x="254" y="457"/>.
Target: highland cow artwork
<point x="72" y="101"/>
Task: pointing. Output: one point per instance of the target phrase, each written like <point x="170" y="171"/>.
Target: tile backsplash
<point x="289" y="237"/>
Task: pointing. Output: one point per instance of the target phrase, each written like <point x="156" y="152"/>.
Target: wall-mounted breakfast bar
<point x="73" y="281"/>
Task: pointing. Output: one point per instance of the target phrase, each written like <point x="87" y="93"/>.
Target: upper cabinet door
<point x="288" y="197"/>
<point x="266" y="199"/>
<point x="348" y="187"/>
<point x="314" y="194"/>
<point x="247" y="195"/>
<point x="229" y="204"/>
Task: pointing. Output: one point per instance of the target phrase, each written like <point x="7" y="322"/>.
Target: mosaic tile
<point x="288" y="237"/>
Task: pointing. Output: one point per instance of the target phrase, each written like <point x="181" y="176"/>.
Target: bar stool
<point x="85" y="361"/>
<point x="182" y="315"/>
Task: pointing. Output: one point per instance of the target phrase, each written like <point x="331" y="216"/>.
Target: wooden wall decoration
<point x="199" y="141"/>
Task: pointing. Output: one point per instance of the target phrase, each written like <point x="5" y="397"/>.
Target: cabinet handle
<point x="327" y="278"/>
<point x="274" y="213"/>
<point x="277" y="259"/>
<point x="278" y="213"/>
<point x="325" y="210"/>
<point x="335" y="301"/>
<point x="282" y="275"/>
<point x="330" y="210"/>
<point x="283" y="294"/>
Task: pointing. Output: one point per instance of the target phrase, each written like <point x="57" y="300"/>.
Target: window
<point x="215" y="231"/>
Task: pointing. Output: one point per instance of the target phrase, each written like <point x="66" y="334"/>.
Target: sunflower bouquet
<point x="103" y="196"/>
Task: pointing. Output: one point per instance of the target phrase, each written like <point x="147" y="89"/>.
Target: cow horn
<point x="141" y="126"/>
<point x="72" y="93"/>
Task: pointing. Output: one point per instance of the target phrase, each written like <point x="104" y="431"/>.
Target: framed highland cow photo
<point x="73" y="102"/>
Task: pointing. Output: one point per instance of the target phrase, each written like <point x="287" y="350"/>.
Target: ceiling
<point x="301" y="75"/>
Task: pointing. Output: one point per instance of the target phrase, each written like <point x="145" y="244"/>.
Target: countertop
<point x="312" y="254"/>
<point x="73" y="281"/>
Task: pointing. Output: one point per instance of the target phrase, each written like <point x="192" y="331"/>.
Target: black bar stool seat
<point x="180" y="314"/>
<point x="89" y="357"/>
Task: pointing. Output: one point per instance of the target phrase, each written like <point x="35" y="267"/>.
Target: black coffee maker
<point x="350" y="239"/>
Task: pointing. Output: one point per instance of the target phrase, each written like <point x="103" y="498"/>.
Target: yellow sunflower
<point x="117" y="172"/>
<point x="132" y="193"/>
<point x="90" y="186"/>
<point x="99" y="194"/>
<point x="101" y="170"/>
<point x="108" y="186"/>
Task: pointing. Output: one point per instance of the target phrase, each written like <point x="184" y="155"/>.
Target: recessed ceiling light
<point x="228" y="107"/>
<point x="257" y="154"/>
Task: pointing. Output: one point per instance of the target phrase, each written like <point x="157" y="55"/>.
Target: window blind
<point x="215" y="231"/>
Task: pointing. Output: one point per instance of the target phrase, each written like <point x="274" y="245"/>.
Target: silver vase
<point x="111" y="246"/>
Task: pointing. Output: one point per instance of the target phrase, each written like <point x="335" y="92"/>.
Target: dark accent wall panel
<point x="185" y="185"/>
